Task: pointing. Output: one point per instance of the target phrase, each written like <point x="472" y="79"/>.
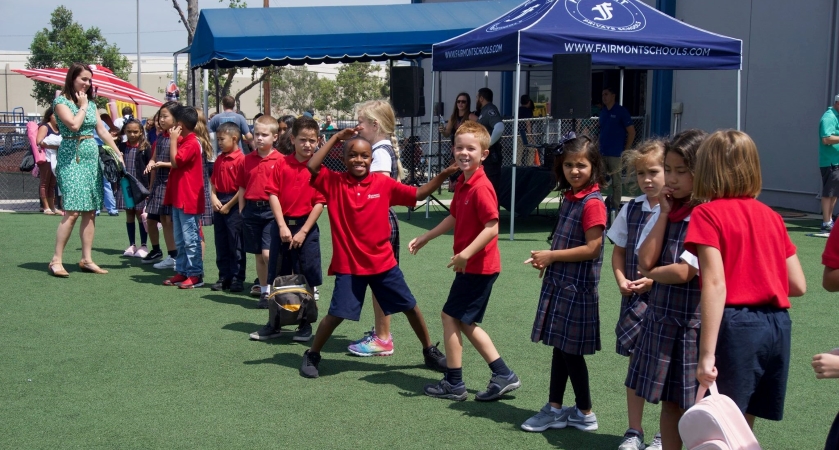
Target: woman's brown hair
<point x="73" y="73"/>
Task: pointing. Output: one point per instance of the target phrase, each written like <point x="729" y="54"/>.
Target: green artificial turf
<point x="120" y="361"/>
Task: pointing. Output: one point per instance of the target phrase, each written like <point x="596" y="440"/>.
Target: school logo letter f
<point x="605" y="10"/>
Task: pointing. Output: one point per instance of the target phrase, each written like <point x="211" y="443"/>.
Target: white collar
<point x="645" y="203"/>
<point x="382" y="143"/>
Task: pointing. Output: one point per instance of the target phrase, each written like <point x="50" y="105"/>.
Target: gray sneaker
<point x="546" y="418"/>
<point x="265" y="333"/>
<point x="446" y="390"/>
<point x="168" y="263"/>
<point x="580" y="421"/>
<point x="656" y="443"/>
<point x="632" y="440"/>
<point x="498" y="386"/>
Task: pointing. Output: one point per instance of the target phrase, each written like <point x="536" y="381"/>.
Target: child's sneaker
<point x="168" y="263"/>
<point x="263" y="301"/>
<point x="303" y="333"/>
<point x="632" y="440"/>
<point x="827" y="226"/>
<point x="175" y="281"/>
<point x="316" y="294"/>
<point x="371" y="345"/>
<point x="141" y="252"/>
<point x="192" y="282"/>
<point x="446" y="390"/>
<point x="309" y="368"/>
<point x="656" y="443"/>
<point x="434" y="358"/>
<point x="130" y="251"/>
<point x="265" y="333"/>
<point x="580" y="421"/>
<point x="546" y="418"/>
<point x="498" y="386"/>
<point x="154" y="256"/>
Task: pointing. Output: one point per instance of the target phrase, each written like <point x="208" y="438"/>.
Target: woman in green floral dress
<point x="77" y="170"/>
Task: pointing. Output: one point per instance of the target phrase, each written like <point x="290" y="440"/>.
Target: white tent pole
<point x="515" y="151"/>
<point x="620" y="101"/>
<point x="739" y="73"/>
<point x="430" y="136"/>
<point x="205" y="99"/>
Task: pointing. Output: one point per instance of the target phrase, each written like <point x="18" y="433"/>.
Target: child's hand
<point x="416" y="244"/>
<point x="665" y="200"/>
<point x="225" y="209"/>
<point x="175" y="132"/>
<point x="297" y="240"/>
<point x="449" y="171"/>
<point x="150" y="166"/>
<point x="216" y="204"/>
<point x="706" y="372"/>
<point x="458" y="262"/>
<point x="347" y="133"/>
<point x="826" y="365"/>
<point x="641" y="285"/>
<point x="539" y="259"/>
<point x="625" y="287"/>
<point x="285" y="233"/>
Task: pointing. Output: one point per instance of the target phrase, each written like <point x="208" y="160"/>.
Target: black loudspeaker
<point x="571" y="86"/>
<point x="406" y="91"/>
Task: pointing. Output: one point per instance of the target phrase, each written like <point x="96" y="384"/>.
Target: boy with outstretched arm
<point x="357" y="203"/>
<point x="476" y="262"/>
<point x="296" y="206"/>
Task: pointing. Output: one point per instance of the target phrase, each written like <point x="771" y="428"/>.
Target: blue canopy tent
<point x="623" y="33"/>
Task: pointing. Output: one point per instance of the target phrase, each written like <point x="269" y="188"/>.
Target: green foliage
<point x="67" y="42"/>
<point x="296" y="89"/>
<point x="355" y="83"/>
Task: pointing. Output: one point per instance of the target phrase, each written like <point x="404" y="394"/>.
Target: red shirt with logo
<point x="359" y="220"/>
<point x="474" y="204"/>
<point x="290" y="182"/>
<point x="226" y="171"/>
<point x="185" y="188"/>
<point x="255" y="174"/>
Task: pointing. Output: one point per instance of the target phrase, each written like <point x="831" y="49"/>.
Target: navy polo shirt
<point x="613" y="123"/>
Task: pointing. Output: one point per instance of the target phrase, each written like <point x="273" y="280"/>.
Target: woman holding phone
<point x="77" y="171"/>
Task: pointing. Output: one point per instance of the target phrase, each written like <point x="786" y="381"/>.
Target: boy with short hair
<point x="476" y="262"/>
<point x="257" y="217"/>
<point x="358" y="203"/>
<point x="185" y="194"/>
<point x="296" y="206"/>
<point x="227" y="221"/>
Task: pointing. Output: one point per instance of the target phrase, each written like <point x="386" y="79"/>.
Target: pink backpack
<point x="32" y="134"/>
<point x="716" y="423"/>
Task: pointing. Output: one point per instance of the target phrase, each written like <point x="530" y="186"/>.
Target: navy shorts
<point x="389" y="287"/>
<point x="256" y="226"/>
<point x="469" y="296"/>
<point x="753" y="354"/>
<point x="304" y="260"/>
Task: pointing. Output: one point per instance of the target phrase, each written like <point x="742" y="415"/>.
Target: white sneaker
<point x="656" y="443"/>
<point x="141" y="252"/>
<point x="317" y="294"/>
<point x="168" y="263"/>
<point x="632" y="440"/>
<point x="580" y="421"/>
<point x="130" y="251"/>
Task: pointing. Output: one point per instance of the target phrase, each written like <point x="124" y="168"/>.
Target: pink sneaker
<point x="371" y="345"/>
<point x="141" y="252"/>
<point x="130" y="251"/>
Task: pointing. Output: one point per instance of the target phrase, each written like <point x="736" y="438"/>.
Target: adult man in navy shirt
<point x="616" y="135"/>
<point x="490" y="118"/>
<point x="229" y="115"/>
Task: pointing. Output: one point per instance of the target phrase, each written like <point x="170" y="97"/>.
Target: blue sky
<point x="160" y="31"/>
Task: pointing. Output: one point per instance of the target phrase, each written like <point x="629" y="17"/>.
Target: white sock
<point x="264" y="289"/>
<point x="556" y="410"/>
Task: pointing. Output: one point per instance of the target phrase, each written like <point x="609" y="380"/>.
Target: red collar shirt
<point x="185" y="189"/>
<point x="255" y="174"/>
<point x="226" y="170"/>
<point x="290" y="182"/>
<point x="473" y="206"/>
<point x="358" y="219"/>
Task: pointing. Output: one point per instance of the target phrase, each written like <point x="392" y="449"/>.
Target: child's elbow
<point x="799" y="289"/>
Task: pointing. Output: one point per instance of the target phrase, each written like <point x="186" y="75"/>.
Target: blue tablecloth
<point x="533" y="184"/>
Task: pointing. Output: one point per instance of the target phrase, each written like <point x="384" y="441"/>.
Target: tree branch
<point x="249" y="86"/>
<point x="225" y="88"/>
<point x="189" y="30"/>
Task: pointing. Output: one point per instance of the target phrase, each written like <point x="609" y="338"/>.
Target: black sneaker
<point x="303" y="333"/>
<point x="434" y="358"/>
<point x="309" y="369"/>
<point x="218" y="286"/>
<point x="236" y="286"/>
<point x="265" y="333"/>
<point x="446" y="390"/>
<point x="498" y="386"/>
<point x="263" y="301"/>
<point x="152" y="257"/>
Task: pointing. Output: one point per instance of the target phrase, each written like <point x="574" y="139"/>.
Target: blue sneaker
<point x="446" y="390"/>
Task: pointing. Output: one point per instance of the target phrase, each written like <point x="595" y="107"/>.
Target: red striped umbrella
<point x="105" y="82"/>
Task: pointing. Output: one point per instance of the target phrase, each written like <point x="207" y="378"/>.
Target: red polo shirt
<point x="474" y="204"/>
<point x="358" y="219"/>
<point x="226" y="170"/>
<point x="185" y="188"/>
<point x="594" y="213"/>
<point x="291" y="183"/>
<point x="255" y="173"/>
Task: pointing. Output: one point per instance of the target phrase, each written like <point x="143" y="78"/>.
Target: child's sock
<point x="555" y="410"/>
<point x="454" y="376"/>
<point x="173" y="253"/>
<point x="263" y="289"/>
<point x="143" y="235"/>
<point x="155" y="248"/>
<point x="498" y="367"/>
<point x="130" y="228"/>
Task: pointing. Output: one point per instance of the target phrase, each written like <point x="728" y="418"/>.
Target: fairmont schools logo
<point x="614" y="15"/>
<point x="527" y="12"/>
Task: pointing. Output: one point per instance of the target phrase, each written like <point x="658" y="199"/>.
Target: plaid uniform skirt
<point x="154" y="204"/>
<point x="394" y="232"/>
<point x="664" y="365"/>
<point x="568" y="318"/>
<point x="628" y="328"/>
<point x="130" y="160"/>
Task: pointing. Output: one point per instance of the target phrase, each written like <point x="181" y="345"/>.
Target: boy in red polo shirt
<point x="257" y="218"/>
<point x="297" y="207"/>
<point x="476" y="262"/>
<point x="230" y="251"/>
<point x="185" y="194"/>
<point x="357" y="203"/>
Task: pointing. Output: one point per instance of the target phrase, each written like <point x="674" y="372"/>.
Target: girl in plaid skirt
<point x="647" y="161"/>
<point x="664" y="364"/>
<point x="567" y="317"/>
<point x="136" y="152"/>
<point x="158" y="168"/>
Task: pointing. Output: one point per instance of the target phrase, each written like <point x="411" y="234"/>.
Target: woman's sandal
<point x="91" y="267"/>
<point x="57" y="273"/>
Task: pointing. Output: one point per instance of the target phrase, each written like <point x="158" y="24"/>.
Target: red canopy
<point x="106" y="83"/>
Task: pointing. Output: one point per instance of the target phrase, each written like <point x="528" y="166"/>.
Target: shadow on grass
<point x="242" y="327"/>
<point x="110" y="251"/>
<point x="233" y="299"/>
<point x="329" y="365"/>
<point x="410" y="385"/>
<point x="512" y="417"/>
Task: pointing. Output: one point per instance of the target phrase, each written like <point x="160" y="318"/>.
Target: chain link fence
<point x="18" y="190"/>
